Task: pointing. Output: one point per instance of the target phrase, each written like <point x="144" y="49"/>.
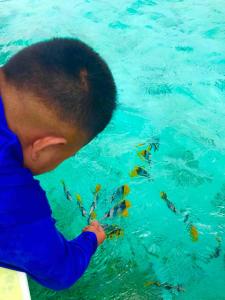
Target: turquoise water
<point x="169" y="64"/>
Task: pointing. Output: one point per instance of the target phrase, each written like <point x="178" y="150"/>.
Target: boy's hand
<point x="98" y="230"/>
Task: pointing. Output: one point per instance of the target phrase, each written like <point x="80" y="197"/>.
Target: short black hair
<point x="70" y="77"/>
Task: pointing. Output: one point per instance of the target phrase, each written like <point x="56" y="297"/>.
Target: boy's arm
<point x="41" y="251"/>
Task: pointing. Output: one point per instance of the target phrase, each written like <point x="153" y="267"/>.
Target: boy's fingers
<point x="98" y="230"/>
<point x="95" y="224"/>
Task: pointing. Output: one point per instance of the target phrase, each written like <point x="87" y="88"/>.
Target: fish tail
<point x="134" y="172"/>
<point x="127" y="203"/>
<point x="125" y="213"/>
<point x="78" y="197"/>
<point x="98" y="188"/>
<point x="193" y="233"/>
<point x="126" y="189"/>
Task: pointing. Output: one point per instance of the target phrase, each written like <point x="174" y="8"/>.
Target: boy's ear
<point x="45" y="142"/>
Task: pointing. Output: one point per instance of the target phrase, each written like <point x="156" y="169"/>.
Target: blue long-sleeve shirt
<point x="29" y="240"/>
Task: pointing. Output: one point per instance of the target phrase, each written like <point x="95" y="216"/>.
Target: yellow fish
<point x="121" y="192"/>
<point x="192" y="229"/>
<point x="120" y="209"/>
<point x="66" y="191"/>
<point x="151" y="145"/>
<point x="80" y="205"/>
<point x="113" y="231"/>
<point x="139" y="171"/>
<point x="92" y="214"/>
<point x="166" y="286"/>
<point x="145" y="154"/>
<point x="170" y="205"/>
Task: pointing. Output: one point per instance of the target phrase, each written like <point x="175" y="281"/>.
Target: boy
<point x="56" y="96"/>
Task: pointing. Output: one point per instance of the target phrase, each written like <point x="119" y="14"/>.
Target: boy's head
<point x="58" y="95"/>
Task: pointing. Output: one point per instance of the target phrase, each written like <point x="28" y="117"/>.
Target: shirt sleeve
<point x="29" y="240"/>
<point x="42" y="252"/>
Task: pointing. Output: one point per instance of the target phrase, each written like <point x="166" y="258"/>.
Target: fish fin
<point x="127" y="203"/>
<point x="125" y="213"/>
<point x="194" y="233"/>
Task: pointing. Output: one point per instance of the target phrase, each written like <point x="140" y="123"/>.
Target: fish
<point x="165" y="285"/>
<point x="193" y="233"/>
<point x="140" y="171"/>
<point x="92" y="214"/>
<point x="113" y="231"/>
<point x="192" y="229"/>
<point x="66" y="192"/>
<point x="217" y="250"/>
<point x="152" y="145"/>
<point x="80" y="205"/>
<point x="170" y="205"/>
<point x="148" y="283"/>
<point x="145" y="155"/>
<point x="120" y="193"/>
<point x="120" y="209"/>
